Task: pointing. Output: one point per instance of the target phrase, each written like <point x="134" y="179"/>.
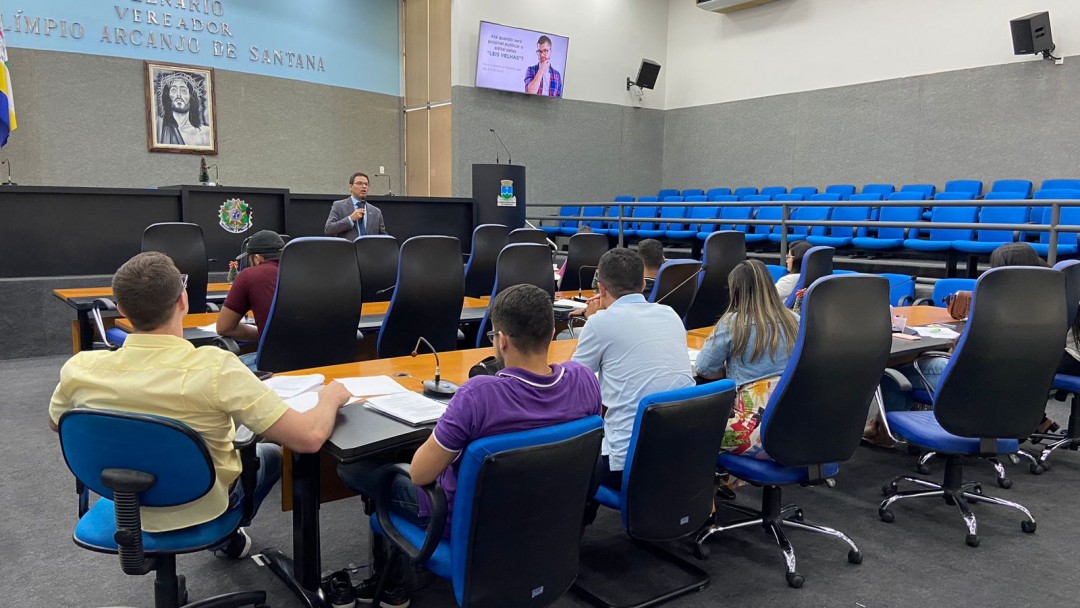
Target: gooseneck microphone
<point x="509" y="158"/>
<point x="8" y="182"/>
<point x="581" y="283"/>
<point x="436" y="387"/>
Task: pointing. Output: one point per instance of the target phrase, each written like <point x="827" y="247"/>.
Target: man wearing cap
<point x="252" y="290"/>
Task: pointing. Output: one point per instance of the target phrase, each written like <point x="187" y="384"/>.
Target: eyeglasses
<point x="543" y="52"/>
<point x="183" y="281"/>
<point x="491" y="335"/>
<point x="360" y="183"/>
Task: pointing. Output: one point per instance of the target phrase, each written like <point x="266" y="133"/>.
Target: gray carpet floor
<point x="921" y="559"/>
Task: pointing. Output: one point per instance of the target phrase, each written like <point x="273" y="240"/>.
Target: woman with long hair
<point x="795" y="254"/>
<point x="750" y="345"/>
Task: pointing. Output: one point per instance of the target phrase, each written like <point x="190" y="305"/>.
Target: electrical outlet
<point x="382" y="170"/>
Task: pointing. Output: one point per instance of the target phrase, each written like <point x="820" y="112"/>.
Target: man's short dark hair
<point x="352" y="180"/>
<point x="542" y="40"/>
<point x="651" y="252"/>
<point x="146" y="288"/>
<point x="524" y="313"/>
<point x="621" y="271"/>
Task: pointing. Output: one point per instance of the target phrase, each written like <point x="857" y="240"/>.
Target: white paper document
<point x="291" y="386"/>
<point x="408" y="407"/>
<point x="212" y="328"/>
<point x="304" y="401"/>
<point x="370" y="386"/>
<point x="936" y="331"/>
<point x="693" y="352"/>
<point x="570" y="303"/>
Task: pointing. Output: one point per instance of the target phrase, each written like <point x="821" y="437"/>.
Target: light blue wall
<point x="357" y="41"/>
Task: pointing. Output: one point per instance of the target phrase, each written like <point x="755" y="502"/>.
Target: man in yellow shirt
<point x="157" y="372"/>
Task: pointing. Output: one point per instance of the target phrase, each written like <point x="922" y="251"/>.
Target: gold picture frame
<point x="181" y="112"/>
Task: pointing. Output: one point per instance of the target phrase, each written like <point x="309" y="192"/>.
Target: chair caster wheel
<point x="795" y="580"/>
<point x="1045" y="464"/>
<point x="1035" y="469"/>
<point x="701" y="552"/>
<point x="922" y="469"/>
<point x="1004" y="482"/>
<point x="888" y="490"/>
<point x="977" y="488"/>
<point x="972" y="540"/>
<point x="886" y="515"/>
<point x="1014" y="459"/>
<point x="830" y="482"/>
<point x="1027" y="526"/>
<point x="798" y="515"/>
<point x="854" y="557"/>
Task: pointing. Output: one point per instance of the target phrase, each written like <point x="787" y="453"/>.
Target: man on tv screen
<point x="542" y="78"/>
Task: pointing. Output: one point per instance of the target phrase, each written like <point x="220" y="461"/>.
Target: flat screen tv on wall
<point x="521" y="61"/>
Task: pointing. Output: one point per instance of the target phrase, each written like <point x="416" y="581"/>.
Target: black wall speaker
<point x="647" y="74"/>
<point x="1031" y="34"/>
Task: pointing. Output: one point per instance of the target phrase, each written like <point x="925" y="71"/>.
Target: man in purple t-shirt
<point x="252" y="290"/>
<point x="528" y="393"/>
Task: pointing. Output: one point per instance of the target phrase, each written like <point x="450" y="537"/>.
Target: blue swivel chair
<point x="518" y="511"/>
<point x="667" y="482"/>
<point x="487" y="241"/>
<point x="377" y="259"/>
<point x="521" y="263"/>
<point x="973" y="186"/>
<point x="527" y="235"/>
<point x="844" y="190"/>
<point x="711" y="192"/>
<point x="582" y="257"/>
<point x="992" y="391"/>
<point x="817" y="262"/>
<point x="901" y="288"/>
<point x="675" y="285"/>
<point x="816" y="414"/>
<point x="1020" y="188"/>
<point x="138" y="460"/>
<point x="722" y="252"/>
<point x="428" y="297"/>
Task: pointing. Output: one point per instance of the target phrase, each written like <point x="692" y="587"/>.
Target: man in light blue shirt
<point x="638" y="348"/>
<point x="354" y="217"/>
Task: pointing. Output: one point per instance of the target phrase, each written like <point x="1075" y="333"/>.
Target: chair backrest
<point x="702" y="213"/>
<point x="773" y="190"/>
<point x="844" y="190"/>
<point x="882" y="189"/>
<point x="1000" y="215"/>
<point x="671" y="462"/>
<point x="722" y="252"/>
<point x="93" y="440"/>
<point x="316" y="307"/>
<point x="1038" y="214"/>
<point x="973" y="186"/>
<point x="789" y="198"/>
<point x="776" y="271"/>
<point x="817" y="262"/>
<point x="996" y="381"/>
<point x="521" y="263"/>
<point x="944" y="288"/>
<point x="487" y="241"/>
<point x="647" y="213"/>
<point x="582" y="257"/>
<point x="734" y="213"/>
<point x="953" y="215"/>
<point x="672" y="287"/>
<point x="667" y="192"/>
<point x="927" y="190"/>
<point x="867" y="197"/>
<point x="1071" y="270"/>
<point x="744" y="191"/>
<point x="957" y="195"/>
<point x="901" y="287"/>
<point x="624" y="198"/>
<point x="671" y="213"/>
<point x="377" y="260"/>
<point x="569" y="211"/>
<point x="183" y="243"/>
<point x="854" y="214"/>
<point x="897" y="214"/>
<point x="1020" y="187"/>
<point x="818" y="409"/>
<point x="825" y="197"/>
<point x="428" y="298"/>
<point x="767" y="213"/>
<point x="1060" y="184"/>
<point x="811" y="214"/>
<point x="527" y="235"/>
<point x="711" y="192"/>
<point x="805" y="191"/>
<point x="595" y="211"/>
<point x="693" y="192"/>
<point x="1069" y="216"/>
<point x="514" y="543"/>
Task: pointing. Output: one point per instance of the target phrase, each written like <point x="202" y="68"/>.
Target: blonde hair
<point x="755" y="303"/>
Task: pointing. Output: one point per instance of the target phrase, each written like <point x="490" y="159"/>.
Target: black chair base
<point x="774" y="517"/>
<point x="1068" y="440"/>
<point x="281" y="566"/>
<point x="1003" y="480"/>
<point x="954" y="491"/>
<point x="701" y="580"/>
<point x="170" y="590"/>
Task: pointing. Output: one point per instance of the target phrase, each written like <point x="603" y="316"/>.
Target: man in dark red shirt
<point x="252" y="290"/>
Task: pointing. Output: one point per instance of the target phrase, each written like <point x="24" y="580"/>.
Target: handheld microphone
<point x="581" y="283"/>
<point x="509" y="158"/>
<point x="676" y="288"/>
<point x="8" y="182"/>
<point x="437" y="387"/>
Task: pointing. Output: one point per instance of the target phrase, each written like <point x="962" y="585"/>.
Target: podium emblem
<point x="235" y="216"/>
<point x="506" y="194"/>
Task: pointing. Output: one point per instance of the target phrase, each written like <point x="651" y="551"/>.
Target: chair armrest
<point x="99" y="305"/>
<point x="245" y="442"/>
<point x="906" y="301"/>
<point x="923" y="302"/>
<point x="211" y="307"/>
<point x="436" y="524"/>
<point x="84" y="497"/>
<point x="226" y="343"/>
<point x="900" y="380"/>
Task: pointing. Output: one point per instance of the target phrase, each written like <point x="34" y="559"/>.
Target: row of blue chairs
<point x="661" y="222"/>
<point x="972" y="186"/>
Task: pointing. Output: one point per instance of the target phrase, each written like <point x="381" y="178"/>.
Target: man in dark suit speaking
<point x="354" y="217"/>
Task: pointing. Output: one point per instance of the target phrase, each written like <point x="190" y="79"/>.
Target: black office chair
<point x="487" y="241"/>
<point x="676" y="285"/>
<point x="528" y="235"/>
<point x="816" y="414"/>
<point x="582" y="257"/>
<point x="723" y="251"/>
<point x="817" y="262"/>
<point x="520" y="263"/>
<point x="377" y="259"/>
<point x="992" y="392"/>
<point x="428" y="298"/>
<point x="316" y="307"/>
<point x="667" y="483"/>
<point x="184" y="244"/>
<point x="136" y="460"/>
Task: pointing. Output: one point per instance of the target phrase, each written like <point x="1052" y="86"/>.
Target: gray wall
<point x="82" y="122"/>
<point x="1011" y="121"/>
<point x="573" y="150"/>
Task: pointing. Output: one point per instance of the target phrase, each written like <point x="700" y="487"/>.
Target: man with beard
<point x="182" y="121"/>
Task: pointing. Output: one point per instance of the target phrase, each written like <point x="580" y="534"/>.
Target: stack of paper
<point x="408" y="407"/>
<point x="370" y="386"/>
<point x="569" y="303"/>
<point x="291" y="386"/>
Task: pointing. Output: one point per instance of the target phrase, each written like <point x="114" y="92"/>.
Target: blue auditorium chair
<point x="1036" y="212"/>
<point x="667" y="484"/>
<point x="667" y="192"/>
<point x="817" y="262"/>
<point x="666" y="213"/>
<point x="941" y="239"/>
<point x="594" y="225"/>
<point x="611" y="227"/>
<point x="883" y="189"/>
<point x="892" y="238"/>
<point x="815" y="417"/>
<point x="1067" y="241"/>
<point x="642" y="218"/>
<point x="841" y="236"/>
<point x="759" y="233"/>
<point x="984" y="401"/>
<point x="511" y="543"/>
<point x="986" y="241"/>
<point x="711" y="192"/>
<point x="1017" y="186"/>
<point x="805" y="191"/>
<point x="693" y="192"/>
<point x="134" y="461"/>
<point x="844" y="190"/>
<point x="927" y="190"/>
<point x="776" y="271"/>
<point x="564" y="226"/>
<point x="773" y="190"/>
<point x="686" y="232"/>
<point x="943" y="288"/>
<point x="1060" y="184"/>
<point x="732" y="214"/>
<point x="743" y="192"/>
<point x="901" y="288"/>
<point x="974" y="186"/>
<point x="799" y="233"/>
